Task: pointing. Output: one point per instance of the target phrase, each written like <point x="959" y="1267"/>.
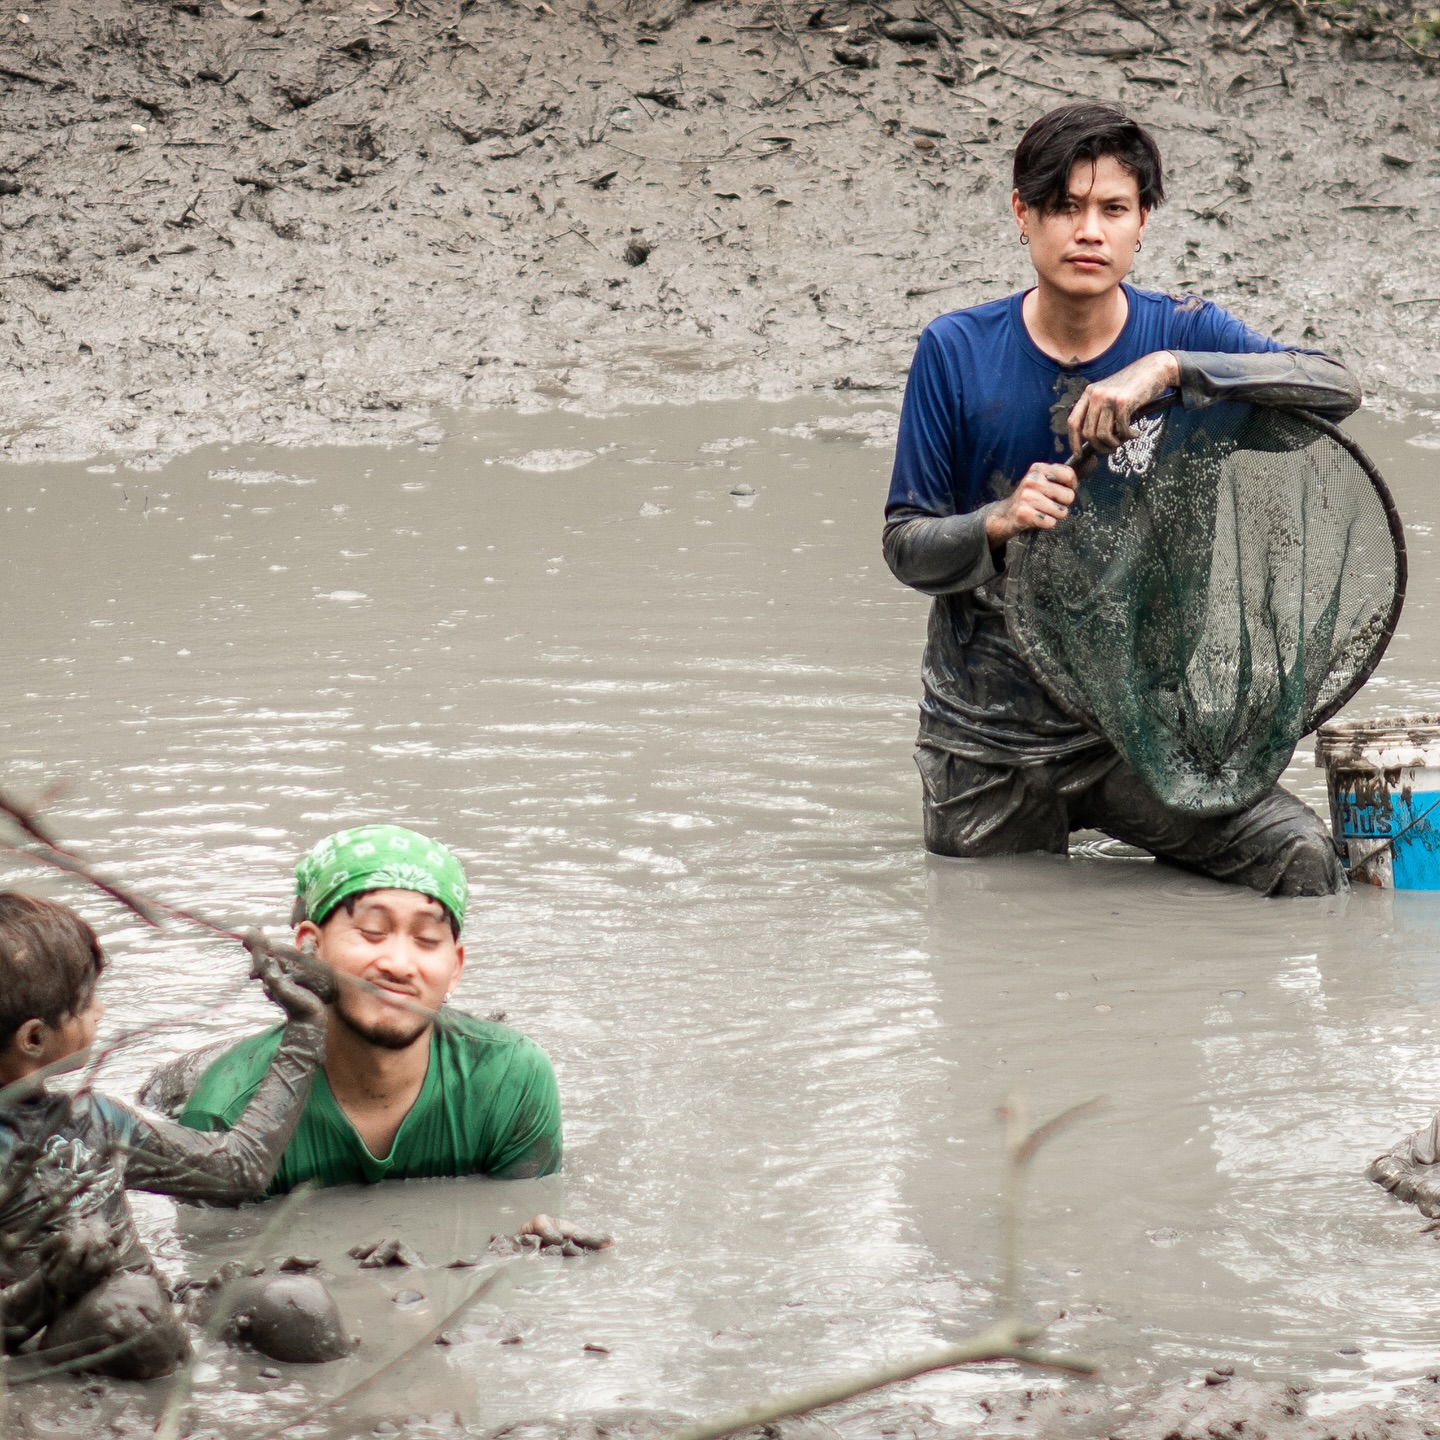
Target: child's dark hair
<point x="1049" y="150"/>
<point x="50" y="961"/>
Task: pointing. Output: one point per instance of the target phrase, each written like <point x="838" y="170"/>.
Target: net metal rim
<point x="1017" y="555"/>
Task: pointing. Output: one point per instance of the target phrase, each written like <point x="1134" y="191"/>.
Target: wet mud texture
<point x="321" y="221"/>
<point x="1217" y="1405"/>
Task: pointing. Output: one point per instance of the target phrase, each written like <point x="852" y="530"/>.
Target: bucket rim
<point x="1380" y="725"/>
<point x="1385" y="742"/>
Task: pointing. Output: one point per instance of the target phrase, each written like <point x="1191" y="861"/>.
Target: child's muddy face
<point x="400" y="943"/>
<point x="77" y="1032"/>
<point x="43" y="1044"/>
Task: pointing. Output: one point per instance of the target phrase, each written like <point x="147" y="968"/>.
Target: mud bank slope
<point x="316" y="222"/>
<point x="320" y="220"/>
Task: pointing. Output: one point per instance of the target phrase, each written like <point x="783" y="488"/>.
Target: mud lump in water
<point x="290" y="1317"/>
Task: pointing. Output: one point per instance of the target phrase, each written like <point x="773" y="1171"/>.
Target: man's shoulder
<point x="483" y="1042"/>
<point x="972" y="322"/>
<point x="225" y="1087"/>
<point x="1183" y="321"/>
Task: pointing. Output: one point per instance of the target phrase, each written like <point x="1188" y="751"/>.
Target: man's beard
<point x="397" y="1030"/>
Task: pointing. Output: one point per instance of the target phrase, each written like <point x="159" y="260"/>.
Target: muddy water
<point x="668" y="729"/>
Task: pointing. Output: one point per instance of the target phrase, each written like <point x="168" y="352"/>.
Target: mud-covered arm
<point x="229" y="1166"/>
<point x="1422" y="1147"/>
<point x="939" y="554"/>
<point x="933" y="541"/>
<point x="24" y="1308"/>
<point x="1305" y="379"/>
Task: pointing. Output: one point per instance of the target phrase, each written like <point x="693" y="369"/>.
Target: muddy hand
<point x="1039" y="502"/>
<point x="78" y="1256"/>
<point x="558" y="1232"/>
<point x="296" y="982"/>
<point x="1101" y="416"/>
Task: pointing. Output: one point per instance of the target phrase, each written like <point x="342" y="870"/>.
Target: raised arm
<point x="1306" y="379"/>
<point x="1219" y="358"/>
<point x="230" y="1166"/>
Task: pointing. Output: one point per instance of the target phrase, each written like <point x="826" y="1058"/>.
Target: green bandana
<point x="377" y="857"/>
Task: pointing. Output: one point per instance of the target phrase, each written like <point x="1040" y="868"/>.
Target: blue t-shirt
<point x="984" y="402"/>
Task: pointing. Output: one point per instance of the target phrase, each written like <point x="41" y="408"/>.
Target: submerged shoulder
<point x="233" y="1074"/>
<point x="483" y="1043"/>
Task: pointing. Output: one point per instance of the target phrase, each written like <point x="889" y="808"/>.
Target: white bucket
<point x="1384" y="782"/>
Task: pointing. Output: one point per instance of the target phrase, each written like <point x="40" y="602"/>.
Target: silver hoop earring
<point x="1024" y="239"/>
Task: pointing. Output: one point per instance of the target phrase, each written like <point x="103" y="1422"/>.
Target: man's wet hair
<point x="349" y="903"/>
<point x="50" y="962"/>
<point x="1051" y="148"/>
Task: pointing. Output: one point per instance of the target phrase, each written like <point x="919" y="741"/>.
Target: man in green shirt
<point x="408" y="1088"/>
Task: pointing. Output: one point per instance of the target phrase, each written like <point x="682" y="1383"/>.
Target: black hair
<point x="348" y="906"/>
<point x="1050" y="149"/>
<point x="50" y="962"/>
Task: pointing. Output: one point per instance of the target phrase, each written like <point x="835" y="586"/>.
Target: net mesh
<point x="1225" y="582"/>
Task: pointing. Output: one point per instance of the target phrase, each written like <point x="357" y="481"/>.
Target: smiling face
<point x="1085" y="246"/>
<point x="400" y="942"/>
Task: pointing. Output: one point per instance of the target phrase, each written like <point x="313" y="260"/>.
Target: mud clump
<point x="316" y="221"/>
<point x="290" y="1316"/>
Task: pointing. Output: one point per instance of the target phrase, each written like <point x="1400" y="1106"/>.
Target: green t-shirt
<point x="489" y="1106"/>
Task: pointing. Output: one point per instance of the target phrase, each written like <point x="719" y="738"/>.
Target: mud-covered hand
<point x="298" y="983"/>
<point x="557" y="1231"/>
<point x="78" y="1256"/>
<point x="1101" y="416"/>
<point x="1039" y="502"/>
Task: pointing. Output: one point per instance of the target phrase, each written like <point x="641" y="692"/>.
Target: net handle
<point x="1087" y="451"/>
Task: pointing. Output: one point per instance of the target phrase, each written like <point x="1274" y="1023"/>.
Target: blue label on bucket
<point x="1409" y="820"/>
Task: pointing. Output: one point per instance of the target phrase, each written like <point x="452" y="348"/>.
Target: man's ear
<point x="459" y="966"/>
<point x="1019" y="208"/>
<point x="29" y="1038"/>
<point x="307" y="935"/>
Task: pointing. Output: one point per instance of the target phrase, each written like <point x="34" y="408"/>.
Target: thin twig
<point x="1004" y="1342"/>
<point x="1139" y="19"/>
<point x="48" y="851"/>
<point x="390" y="1366"/>
<point x="1008" y="1339"/>
<point x="170" y="1418"/>
<point x="985" y="13"/>
<point x="809" y="80"/>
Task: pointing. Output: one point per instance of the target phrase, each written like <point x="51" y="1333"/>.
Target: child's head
<point x="50" y="961"/>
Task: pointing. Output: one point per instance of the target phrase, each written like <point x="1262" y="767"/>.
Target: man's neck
<point x="1074" y="329"/>
<point x="375" y="1087"/>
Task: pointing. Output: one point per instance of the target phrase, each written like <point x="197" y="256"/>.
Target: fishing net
<point x="1225" y="583"/>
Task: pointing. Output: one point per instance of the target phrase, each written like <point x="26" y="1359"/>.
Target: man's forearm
<point x="939" y="555"/>
<point x="1299" y="378"/>
<point x="234" y="1165"/>
<point x="22" y="1308"/>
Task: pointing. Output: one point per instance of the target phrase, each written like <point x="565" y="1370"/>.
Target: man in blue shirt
<point x="998" y="396"/>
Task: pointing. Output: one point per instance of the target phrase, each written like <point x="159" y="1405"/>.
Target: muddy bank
<point x="317" y="222"/>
